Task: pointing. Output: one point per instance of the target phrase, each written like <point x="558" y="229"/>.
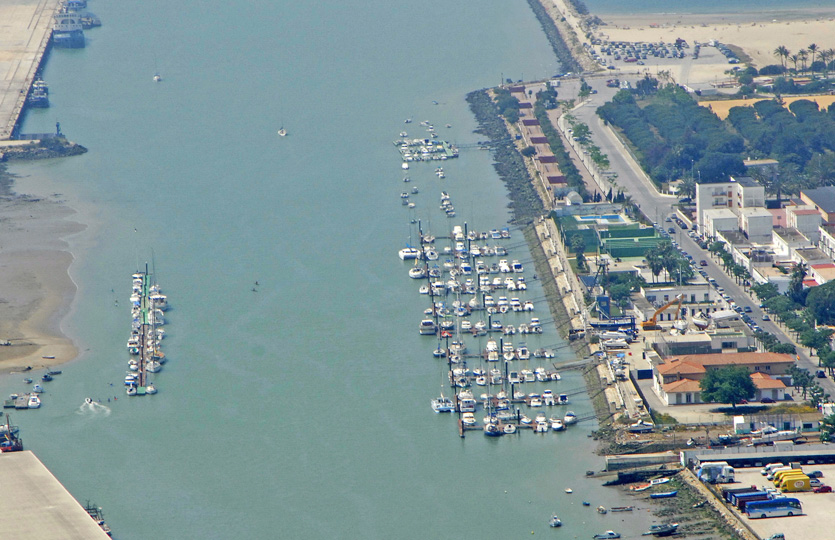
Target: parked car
<point x="703" y="263"/>
<point x="815" y="483"/>
<point x="820" y="374"/>
<point x="767" y="400"/>
<point x="748" y="309"/>
<point x="671" y="230"/>
<point x="766" y="317"/>
<point x="822" y="489"/>
<point x="815" y="474"/>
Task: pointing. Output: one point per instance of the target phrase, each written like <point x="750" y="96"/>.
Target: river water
<point x="301" y="409"/>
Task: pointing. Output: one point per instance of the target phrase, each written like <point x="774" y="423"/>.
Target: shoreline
<point x="38" y="291"/>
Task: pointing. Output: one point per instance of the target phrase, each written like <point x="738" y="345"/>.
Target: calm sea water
<point x="300" y="410"/>
<point x="756" y="7"/>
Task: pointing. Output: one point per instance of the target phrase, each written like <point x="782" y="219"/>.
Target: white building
<point x="756" y="223"/>
<point x="787" y="240"/>
<point x="742" y="192"/>
<point x="806" y="219"/>
<point x="718" y="219"/>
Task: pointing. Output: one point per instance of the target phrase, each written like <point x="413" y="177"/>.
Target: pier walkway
<point x="36" y="505"/>
<point x="25" y="29"/>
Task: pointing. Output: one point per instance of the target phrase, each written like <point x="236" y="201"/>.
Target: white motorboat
<point x="152" y="366"/>
<point x="404" y="166"/>
<point x="468" y="419"/>
<point x="569" y="418"/>
<point x="427" y="327"/>
<point x="541" y="427"/>
<point x="522" y="353"/>
<point x="555" y="522"/>
<point x="442" y="404"/>
<point x="536" y="402"/>
<point x="131" y="390"/>
<point x="509" y="429"/>
<point x="527" y="375"/>
<point x="517" y="266"/>
<point x="557" y="425"/>
<point x="541" y="374"/>
<point x="548" y="397"/>
<point x="701" y="321"/>
<point x="150" y="388"/>
<point x="37" y="388"/>
<point x="417" y="272"/>
<point x="525" y="420"/>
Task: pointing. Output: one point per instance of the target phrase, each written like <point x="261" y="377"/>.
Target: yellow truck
<point x="779" y="475"/>
<point x="797" y="482"/>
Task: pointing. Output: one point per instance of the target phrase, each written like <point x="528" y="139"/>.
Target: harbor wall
<point x="25" y="62"/>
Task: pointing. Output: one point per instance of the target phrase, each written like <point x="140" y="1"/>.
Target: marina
<point x="148" y="305"/>
<point x="480" y="315"/>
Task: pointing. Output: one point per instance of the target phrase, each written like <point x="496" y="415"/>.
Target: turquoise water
<point x="300" y="410"/>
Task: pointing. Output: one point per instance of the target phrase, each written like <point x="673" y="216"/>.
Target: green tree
<point x="782" y="53"/>
<point x="796" y="291"/>
<point x="801" y="379"/>
<point x="816" y="339"/>
<point x="528" y="151"/>
<point x="827" y="427"/>
<point x="817" y="395"/>
<point x="765" y="291"/>
<point x="729" y="384"/>
<point x="821" y="303"/>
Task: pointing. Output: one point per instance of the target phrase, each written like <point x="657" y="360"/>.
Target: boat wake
<point x="91" y="408"/>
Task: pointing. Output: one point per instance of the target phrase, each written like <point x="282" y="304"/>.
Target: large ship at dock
<point x="68" y="32"/>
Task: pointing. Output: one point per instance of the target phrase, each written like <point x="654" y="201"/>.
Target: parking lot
<point x="817" y="521"/>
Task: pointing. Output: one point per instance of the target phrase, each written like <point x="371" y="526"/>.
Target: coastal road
<point x="657" y="207"/>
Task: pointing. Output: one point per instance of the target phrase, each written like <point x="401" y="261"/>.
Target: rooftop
<point x="740" y="359"/>
<point x="718" y="213"/>
<point x="745" y="181"/>
<point x="791" y="235"/>
<point x="823" y="197"/>
<point x="756" y="212"/>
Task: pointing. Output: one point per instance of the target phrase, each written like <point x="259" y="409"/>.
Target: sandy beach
<point x="36" y="291"/>
<point x="756" y="34"/>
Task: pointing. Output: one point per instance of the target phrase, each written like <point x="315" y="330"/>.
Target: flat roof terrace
<point x="25" y="28"/>
<point x="36" y="505"/>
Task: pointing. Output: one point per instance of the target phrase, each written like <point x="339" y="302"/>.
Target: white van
<point x="774" y="471"/>
<point x="767" y="469"/>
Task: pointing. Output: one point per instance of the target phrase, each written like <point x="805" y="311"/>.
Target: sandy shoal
<point x="35" y="287"/>
<point x="756" y="34"/>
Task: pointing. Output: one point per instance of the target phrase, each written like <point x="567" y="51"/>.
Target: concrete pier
<point x="25" y="29"/>
<point x="35" y="504"/>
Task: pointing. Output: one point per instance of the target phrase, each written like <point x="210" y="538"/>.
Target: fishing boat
<point x="640" y="487"/>
<point x="555" y="521"/>
<point x="601" y="509"/>
<point x="658" y="481"/>
<point x="665" y="495"/>
<point x="606" y="535"/>
<point x="622" y="508"/>
<point x="662" y="529"/>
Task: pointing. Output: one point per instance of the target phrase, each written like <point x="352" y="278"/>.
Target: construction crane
<point x="652" y="324"/>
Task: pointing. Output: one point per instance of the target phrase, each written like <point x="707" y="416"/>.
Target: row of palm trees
<point x="824" y="55"/>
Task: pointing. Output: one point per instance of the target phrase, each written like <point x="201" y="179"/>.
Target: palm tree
<point x="830" y="54"/>
<point x="813" y="48"/>
<point x="803" y="54"/>
<point x="794" y="58"/>
<point x="782" y="53"/>
<point x="825" y="58"/>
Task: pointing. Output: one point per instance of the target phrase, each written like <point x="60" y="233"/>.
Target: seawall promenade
<point x="25" y="30"/>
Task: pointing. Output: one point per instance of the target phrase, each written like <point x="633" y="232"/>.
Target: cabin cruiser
<point x="409" y="253"/>
<point x="517" y="266"/>
<point x="468" y="419"/>
<point x="34" y="401"/>
<point x="547" y="397"/>
<point x="442" y="404"/>
<point x="541" y="427"/>
<point x="150" y="388"/>
<point x="417" y="272"/>
<point x="557" y="424"/>
<point x="522" y="353"/>
<point x="37" y="388"/>
<point x="569" y="418"/>
<point x="527" y="375"/>
<point x="555" y="522"/>
<point x="427" y="327"/>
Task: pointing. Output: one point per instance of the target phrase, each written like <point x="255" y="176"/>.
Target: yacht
<point x="557" y="425"/>
<point x="34" y="401"/>
<point x="569" y="418"/>
<point x="442" y="404"/>
<point x="427" y="327"/>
